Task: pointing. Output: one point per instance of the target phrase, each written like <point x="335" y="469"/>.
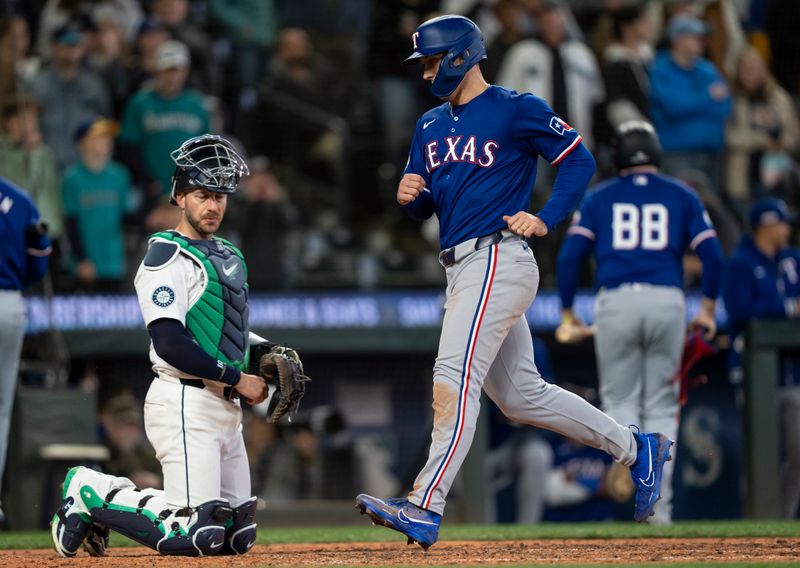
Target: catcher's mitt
<point x="282" y="369"/>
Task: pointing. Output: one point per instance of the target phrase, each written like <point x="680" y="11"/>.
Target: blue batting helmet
<point x="454" y="36"/>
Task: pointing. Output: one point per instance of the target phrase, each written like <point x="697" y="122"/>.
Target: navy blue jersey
<point x="758" y="287"/>
<point x="639" y="226"/>
<point x="23" y="254"/>
<point x="478" y="160"/>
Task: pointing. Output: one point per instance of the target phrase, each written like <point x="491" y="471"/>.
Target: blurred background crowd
<point x="96" y="93"/>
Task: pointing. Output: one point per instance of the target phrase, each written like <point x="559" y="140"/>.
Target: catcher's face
<point x="203" y="211"/>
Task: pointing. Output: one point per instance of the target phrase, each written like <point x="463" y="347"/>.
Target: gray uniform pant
<point x="641" y="330"/>
<point x="486" y="344"/>
<point x="12" y="329"/>
<point x="789" y="427"/>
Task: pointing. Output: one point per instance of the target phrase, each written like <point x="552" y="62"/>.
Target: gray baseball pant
<point x="12" y="330"/>
<point x="641" y="330"/>
<point x="486" y="344"/>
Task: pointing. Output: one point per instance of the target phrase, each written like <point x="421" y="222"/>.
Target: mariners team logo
<point x="559" y="126"/>
<point x="163" y="296"/>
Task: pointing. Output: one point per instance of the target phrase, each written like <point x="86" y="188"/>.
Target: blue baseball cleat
<point x="419" y="525"/>
<point x="651" y="455"/>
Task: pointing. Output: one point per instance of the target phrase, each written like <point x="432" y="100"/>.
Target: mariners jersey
<point x="478" y="160"/>
<point x="173" y="285"/>
<point x="640" y="225"/>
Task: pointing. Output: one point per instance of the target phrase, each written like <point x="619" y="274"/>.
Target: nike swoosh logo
<point x="215" y="544"/>
<point x="406" y="519"/>
<point x="650" y="479"/>
<point x="427" y="124"/>
<point x="229" y="270"/>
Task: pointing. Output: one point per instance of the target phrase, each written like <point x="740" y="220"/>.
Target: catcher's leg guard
<point x="185" y="532"/>
<point x="240" y="535"/>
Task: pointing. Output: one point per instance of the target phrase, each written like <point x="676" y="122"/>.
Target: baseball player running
<point x="638" y="226"/>
<point x="473" y="163"/>
<point x="192" y="289"/>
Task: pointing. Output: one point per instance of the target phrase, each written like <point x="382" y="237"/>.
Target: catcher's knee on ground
<point x="198" y="531"/>
<point x="240" y="531"/>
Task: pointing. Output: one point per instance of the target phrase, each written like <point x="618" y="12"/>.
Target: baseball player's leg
<point x="185" y="426"/>
<point x="12" y="329"/>
<point x="487" y="292"/>
<point x="618" y="349"/>
<point x="789" y="428"/>
<point x="663" y="336"/>
<point x="141" y="515"/>
<point x="515" y="385"/>
<point x="236" y="489"/>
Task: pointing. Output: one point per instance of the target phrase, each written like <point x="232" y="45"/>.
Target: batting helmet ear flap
<point x="461" y="42"/>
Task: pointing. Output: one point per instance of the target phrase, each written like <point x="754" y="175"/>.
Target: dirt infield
<point x="640" y="551"/>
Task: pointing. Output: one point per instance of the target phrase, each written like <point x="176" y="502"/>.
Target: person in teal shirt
<point x="162" y="116"/>
<point x="96" y="196"/>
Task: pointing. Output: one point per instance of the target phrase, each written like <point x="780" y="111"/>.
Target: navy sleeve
<point x="539" y="130"/>
<point x="174" y="345"/>
<point x="422" y="207"/>
<point x="38" y="249"/>
<point x="575" y="249"/>
<point x="703" y="241"/>
<point x="574" y="173"/>
<point x="710" y="253"/>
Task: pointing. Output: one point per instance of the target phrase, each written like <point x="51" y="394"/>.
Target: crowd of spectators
<point x="94" y="94"/>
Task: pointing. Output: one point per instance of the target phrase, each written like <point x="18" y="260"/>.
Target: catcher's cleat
<point x="651" y="455"/>
<point x="71" y="521"/>
<point x="419" y="525"/>
<point x="96" y="542"/>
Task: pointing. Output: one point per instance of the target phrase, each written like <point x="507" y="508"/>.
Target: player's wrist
<point x="230" y="375"/>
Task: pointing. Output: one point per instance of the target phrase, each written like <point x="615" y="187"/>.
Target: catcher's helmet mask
<point x="636" y="144"/>
<point x="458" y="40"/>
<point x="207" y="162"/>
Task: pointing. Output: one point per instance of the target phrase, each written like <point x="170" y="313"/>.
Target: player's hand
<point x="525" y="224"/>
<point x="409" y="188"/>
<point x="705" y="319"/>
<point x="252" y="388"/>
<point x="572" y="329"/>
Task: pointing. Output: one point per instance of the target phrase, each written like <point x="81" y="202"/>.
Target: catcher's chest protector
<point x="218" y="320"/>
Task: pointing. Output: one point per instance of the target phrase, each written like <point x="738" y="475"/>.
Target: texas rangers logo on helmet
<point x="559" y="126"/>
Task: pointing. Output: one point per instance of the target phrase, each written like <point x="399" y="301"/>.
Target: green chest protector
<point x="218" y="320"/>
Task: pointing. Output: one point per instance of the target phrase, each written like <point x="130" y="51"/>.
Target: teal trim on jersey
<point x="206" y="318"/>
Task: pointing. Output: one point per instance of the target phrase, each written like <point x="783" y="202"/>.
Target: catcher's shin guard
<point x="240" y="536"/>
<point x="187" y="532"/>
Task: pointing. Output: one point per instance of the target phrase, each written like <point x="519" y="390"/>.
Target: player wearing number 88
<point x="638" y="226"/>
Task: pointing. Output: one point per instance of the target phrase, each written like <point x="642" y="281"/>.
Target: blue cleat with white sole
<point x="419" y="525"/>
<point x="651" y="455"/>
